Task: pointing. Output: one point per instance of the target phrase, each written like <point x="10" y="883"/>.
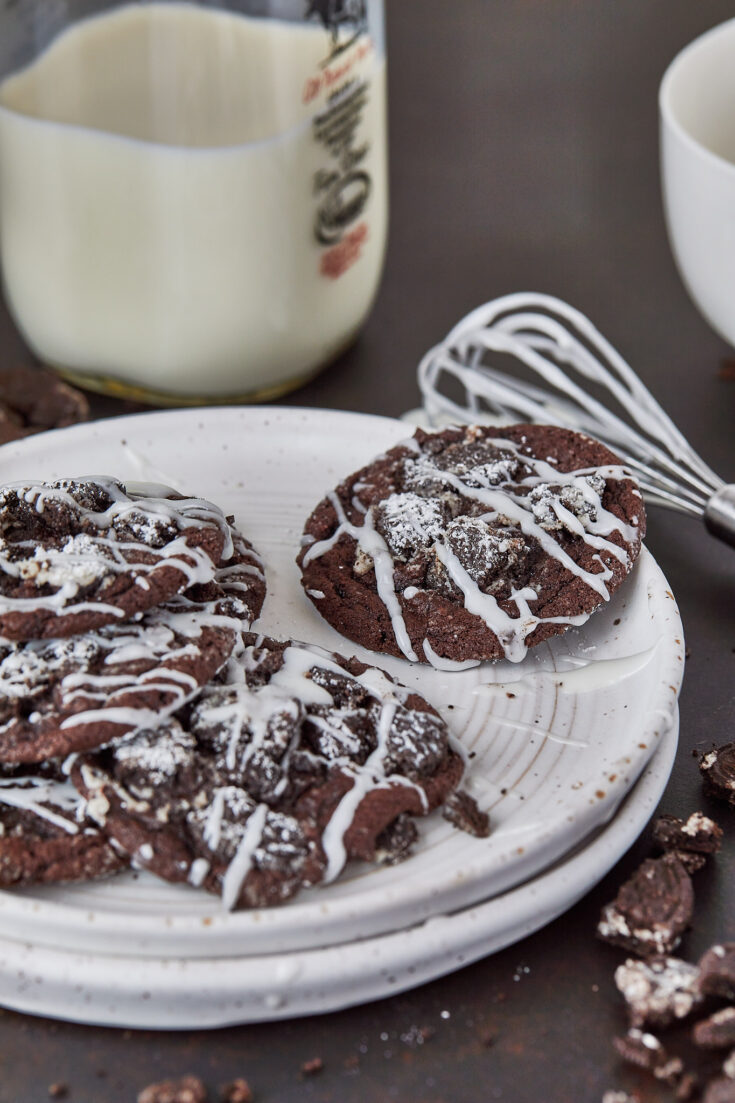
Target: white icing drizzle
<point x="365" y="778"/>
<point x="372" y="543"/>
<point x="213" y="825"/>
<point x="447" y="664"/>
<point x="509" y="507"/>
<point x="32" y="794"/>
<point x="241" y="864"/>
<point x="199" y="870"/>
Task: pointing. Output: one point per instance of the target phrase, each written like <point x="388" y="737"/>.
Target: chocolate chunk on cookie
<point x="652" y="909"/>
<point x="79" y="553"/>
<point x="718" y="772"/>
<point x="59" y="696"/>
<point x="717" y="971"/>
<point x="473" y="543"/>
<point x="275" y="778"/>
<point x="660" y="991"/>
<point x="32" y="399"/>
<point x="45" y="834"/>
<point x="698" y="834"/>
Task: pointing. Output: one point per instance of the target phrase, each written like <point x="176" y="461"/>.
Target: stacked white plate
<point x="568" y="751"/>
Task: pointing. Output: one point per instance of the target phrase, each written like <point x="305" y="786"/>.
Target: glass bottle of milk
<point x="193" y="195"/>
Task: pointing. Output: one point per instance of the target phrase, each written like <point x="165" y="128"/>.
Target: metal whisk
<point x="558" y="342"/>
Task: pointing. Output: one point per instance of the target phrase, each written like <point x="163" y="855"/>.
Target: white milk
<point x="162" y="180"/>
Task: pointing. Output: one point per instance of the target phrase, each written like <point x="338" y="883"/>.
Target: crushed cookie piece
<point x="641" y="1049"/>
<point x="716" y="1032"/>
<point x="652" y="909"/>
<point x="718" y="772"/>
<point x="658" y="991"/>
<point x="461" y="810"/>
<point x="698" y="834"/>
<point x="717" y="971"/>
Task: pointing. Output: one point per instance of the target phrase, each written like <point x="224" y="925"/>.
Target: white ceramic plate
<point x="556" y="742"/>
<point x="189" y="994"/>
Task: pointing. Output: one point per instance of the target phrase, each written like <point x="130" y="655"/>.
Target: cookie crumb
<point x="417" y="1035"/>
<point x="187" y="1089"/>
<point x="462" y="811"/>
<point x="312" y="1066"/>
<point x="237" y="1092"/>
<point x="58" y="1091"/>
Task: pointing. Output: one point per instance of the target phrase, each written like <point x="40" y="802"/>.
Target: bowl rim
<point x="669" y="120"/>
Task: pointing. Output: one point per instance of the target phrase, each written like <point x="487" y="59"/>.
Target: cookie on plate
<point x="473" y="543"/>
<point x="273" y="780"/>
<point x="79" y="553"/>
<point x="45" y="835"/>
<point x="71" y="694"/>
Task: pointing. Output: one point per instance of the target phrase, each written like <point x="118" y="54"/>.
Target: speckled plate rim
<point x="171" y="994"/>
<point x="386" y="900"/>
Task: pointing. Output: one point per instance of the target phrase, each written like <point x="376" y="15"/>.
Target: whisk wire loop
<point x="553" y="340"/>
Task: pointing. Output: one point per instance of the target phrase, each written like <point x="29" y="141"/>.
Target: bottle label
<point x="342" y="188"/>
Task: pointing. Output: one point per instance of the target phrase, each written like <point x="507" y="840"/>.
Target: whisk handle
<point x="719" y="514"/>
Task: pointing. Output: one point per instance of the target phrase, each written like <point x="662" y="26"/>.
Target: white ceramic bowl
<point x="696" y="102"/>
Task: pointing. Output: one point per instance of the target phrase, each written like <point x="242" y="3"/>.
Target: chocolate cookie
<point x="45" y="835"/>
<point x="32" y="399"/>
<point x="64" y="695"/>
<point x="473" y="543"/>
<point x="274" y="779"/>
<point x="79" y="553"/>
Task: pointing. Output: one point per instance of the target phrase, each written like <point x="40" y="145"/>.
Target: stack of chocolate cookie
<point x="141" y="721"/>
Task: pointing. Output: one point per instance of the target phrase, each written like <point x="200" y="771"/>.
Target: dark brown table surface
<point x="524" y="152"/>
